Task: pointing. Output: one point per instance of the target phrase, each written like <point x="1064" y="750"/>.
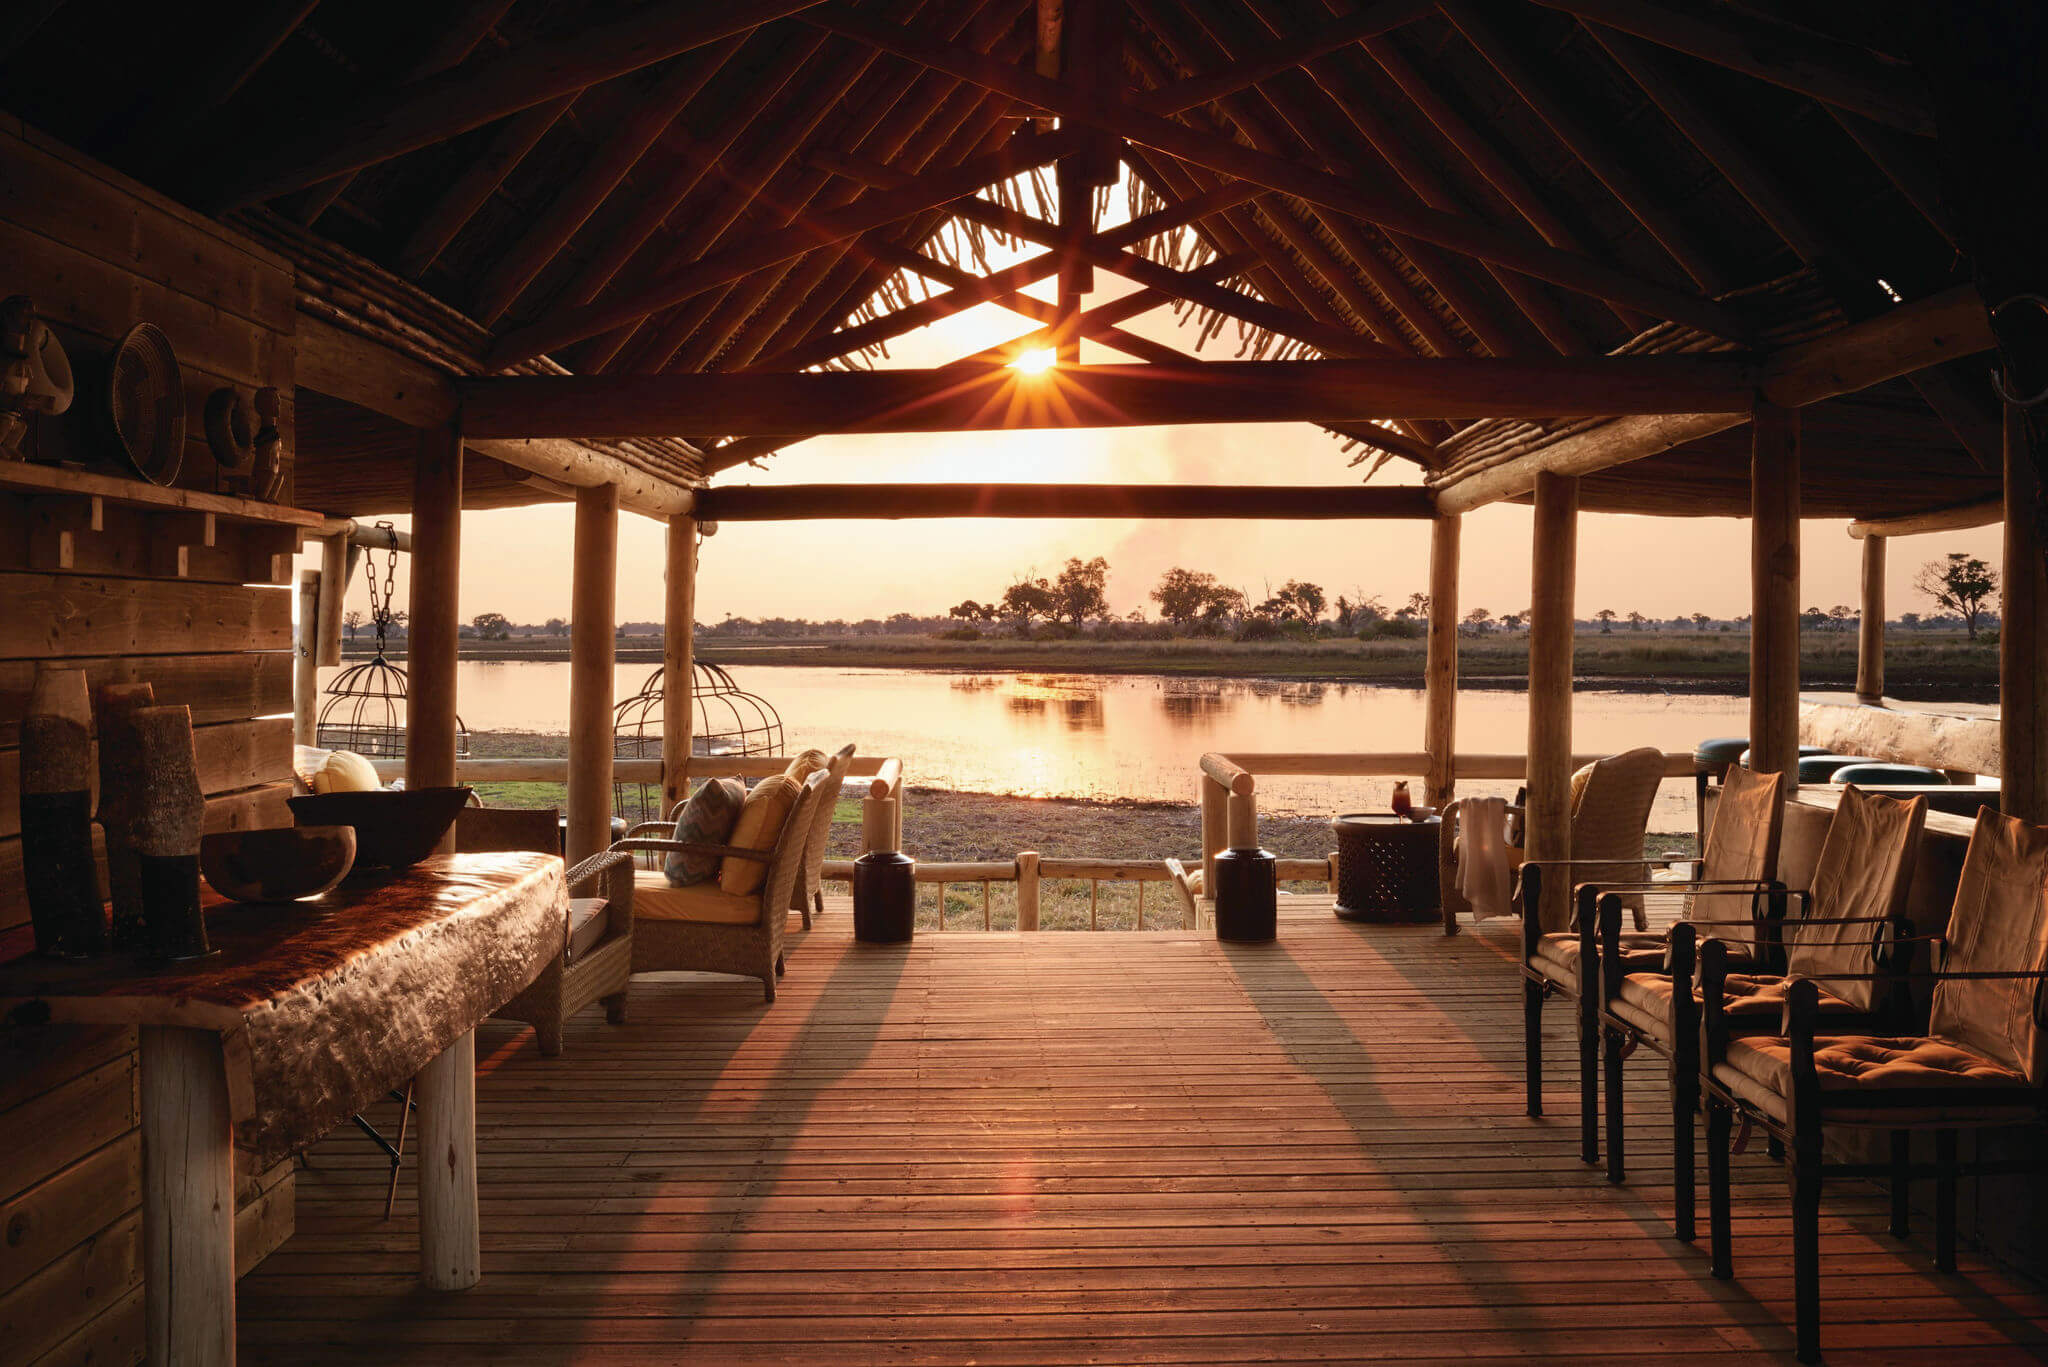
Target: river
<point x="1126" y="735"/>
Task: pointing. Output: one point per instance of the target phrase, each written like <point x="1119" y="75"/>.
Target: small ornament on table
<point x="120" y="803"/>
<point x="168" y="824"/>
<point x="58" y="870"/>
<point x="1404" y="805"/>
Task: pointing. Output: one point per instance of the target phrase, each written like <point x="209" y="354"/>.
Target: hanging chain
<point x="383" y="596"/>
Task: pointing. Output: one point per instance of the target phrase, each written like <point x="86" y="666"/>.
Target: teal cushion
<point x="706" y="819"/>
<point x="1864" y="775"/>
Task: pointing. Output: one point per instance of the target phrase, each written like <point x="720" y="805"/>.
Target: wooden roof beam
<point x="1321" y="187"/>
<point x="476" y="183"/>
<point x="1831" y="72"/>
<point x="869" y="211"/>
<point x="796" y="502"/>
<point x="308" y="146"/>
<point x="1984" y="513"/>
<point x="952" y="399"/>
<point x="1295" y="50"/>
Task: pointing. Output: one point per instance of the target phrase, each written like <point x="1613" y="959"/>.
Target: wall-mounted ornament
<point x="35" y="373"/>
<point x="145" y="404"/>
<point x="168" y="824"/>
<point x="230" y="432"/>
<point x="56" y="817"/>
<point x="266" y="475"/>
<point x="114" y="706"/>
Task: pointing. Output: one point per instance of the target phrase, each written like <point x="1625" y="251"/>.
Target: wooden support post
<point x="591" y="651"/>
<point x="878" y="825"/>
<point x="188" y="1199"/>
<point x="2022" y="639"/>
<point x="451" y="1251"/>
<point x="1440" y="672"/>
<point x="333" y="589"/>
<point x="1215" y="829"/>
<point x="1870" y="626"/>
<point x="1243" y="822"/>
<point x="306" y="661"/>
<point x="1774" y="593"/>
<point x="1552" y="595"/>
<point x="678" y="661"/>
<point x="1027" y="890"/>
<point x="432" y="625"/>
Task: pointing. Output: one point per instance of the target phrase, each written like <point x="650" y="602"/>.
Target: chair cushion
<point x="1557" y="956"/>
<point x="345" y="771"/>
<point x="707" y="818"/>
<point x="1758" y="1070"/>
<point x="588" y="917"/>
<point x="655" y="899"/>
<point x="804" y="763"/>
<point x="762" y="818"/>
<point x="1753" y="1003"/>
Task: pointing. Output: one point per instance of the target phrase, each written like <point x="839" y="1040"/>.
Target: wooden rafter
<point x="163" y="124"/>
<point x="950" y="399"/>
<point x="792" y="502"/>
<point x="308" y="149"/>
<point x="1335" y="192"/>
<point x="1295" y="50"/>
<point x="478" y="181"/>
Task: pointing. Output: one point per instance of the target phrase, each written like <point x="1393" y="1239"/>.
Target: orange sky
<point x="517" y="561"/>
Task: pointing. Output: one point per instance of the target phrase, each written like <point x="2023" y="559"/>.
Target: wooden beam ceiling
<point x="957" y="400"/>
<point x="795" y="502"/>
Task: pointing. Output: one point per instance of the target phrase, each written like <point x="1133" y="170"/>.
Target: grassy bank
<point x="1918" y="664"/>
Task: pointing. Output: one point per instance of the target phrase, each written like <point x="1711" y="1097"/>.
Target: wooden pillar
<point x="1215" y="828"/>
<point x="333" y="590"/>
<point x="306" y="661"/>
<point x="451" y="1244"/>
<point x="1027" y="890"/>
<point x="678" y="662"/>
<point x="2022" y="638"/>
<point x="188" y="1199"/>
<point x="592" y="632"/>
<point x="879" y="828"/>
<point x="1553" y="593"/>
<point x="1774" y="593"/>
<point x="1242" y="823"/>
<point x="1870" y="626"/>
<point x="1440" y="673"/>
<point x="432" y="623"/>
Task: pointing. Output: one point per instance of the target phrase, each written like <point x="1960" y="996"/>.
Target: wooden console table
<point x="306" y="1013"/>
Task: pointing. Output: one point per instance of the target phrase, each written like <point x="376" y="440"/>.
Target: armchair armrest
<point x="615" y="868"/>
<point x="641" y="828"/>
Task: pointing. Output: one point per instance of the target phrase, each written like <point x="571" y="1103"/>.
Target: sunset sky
<point x="517" y="561"/>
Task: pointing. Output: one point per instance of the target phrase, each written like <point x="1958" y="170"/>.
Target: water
<point x="1128" y="735"/>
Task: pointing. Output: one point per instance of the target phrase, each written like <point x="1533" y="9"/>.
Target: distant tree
<point x="1700" y="621"/>
<point x="1183" y="595"/>
<point x="1635" y="621"/>
<point x="1840" y="616"/>
<point x="1815" y="618"/>
<point x="1909" y="620"/>
<point x="352" y="619"/>
<point x="1301" y="601"/>
<point x="556" y="627"/>
<point x="1480" y="621"/>
<point x="1512" y="621"/>
<point x="1416" y="606"/>
<point x="1029" y="599"/>
<point x="1342" y="610"/>
<point x="1080" y="591"/>
<point x="969" y="611"/>
<point x="1962" y="583"/>
<point x="1606" y="618"/>
<point x="1227" y="606"/>
<point x="491" y="626"/>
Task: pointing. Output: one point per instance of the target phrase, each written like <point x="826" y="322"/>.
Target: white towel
<point x="1483" y="855"/>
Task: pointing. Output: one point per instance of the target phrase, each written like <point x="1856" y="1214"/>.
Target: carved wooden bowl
<point x="394" y="829"/>
<point x="281" y="865"/>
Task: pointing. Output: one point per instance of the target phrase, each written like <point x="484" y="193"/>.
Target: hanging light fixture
<point x="728" y="721"/>
<point x="365" y="707"/>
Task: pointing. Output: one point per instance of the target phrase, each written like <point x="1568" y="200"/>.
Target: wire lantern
<point x="365" y="707"/>
<point x="728" y="721"/>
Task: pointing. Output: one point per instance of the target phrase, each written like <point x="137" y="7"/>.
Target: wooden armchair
<point x="597" y="938"/>
<point x="1982" y="1061"/>
<point x="704" y="928"/>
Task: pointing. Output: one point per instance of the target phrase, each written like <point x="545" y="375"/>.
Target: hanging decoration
<point x="366" y="703"/>
<point x="728" y="721"/>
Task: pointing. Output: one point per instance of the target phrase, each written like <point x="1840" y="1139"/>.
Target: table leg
<point x="188" y="1199"/>
<point x="450" y="1253"/>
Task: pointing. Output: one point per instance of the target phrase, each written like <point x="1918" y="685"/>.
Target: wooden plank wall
<point x="99" y="254"/>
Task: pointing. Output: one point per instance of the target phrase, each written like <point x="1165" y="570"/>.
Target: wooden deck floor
<point x="1110" y="1148"/>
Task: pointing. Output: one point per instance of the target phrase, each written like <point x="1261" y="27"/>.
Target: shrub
<point x="961" y="634"/>
<point x="1391" y="629"/>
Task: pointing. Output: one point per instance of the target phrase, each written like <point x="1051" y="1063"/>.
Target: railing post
<point x="1027" y="890"/>
<point x="1215" y="828"/>
<point x="306" y="662"/>
<point x="1243" y="822"/>
<point x="878" y="828"/>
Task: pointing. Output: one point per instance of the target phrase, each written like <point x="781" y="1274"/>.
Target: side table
<point x="1386" y="867"/>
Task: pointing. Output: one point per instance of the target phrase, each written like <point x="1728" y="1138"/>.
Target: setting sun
<point x="1035" y="362"/>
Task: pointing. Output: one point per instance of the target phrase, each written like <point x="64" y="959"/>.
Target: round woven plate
<point x="146" y="404"/>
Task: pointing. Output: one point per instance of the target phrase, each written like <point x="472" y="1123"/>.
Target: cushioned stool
<point x="1870" y="774"/>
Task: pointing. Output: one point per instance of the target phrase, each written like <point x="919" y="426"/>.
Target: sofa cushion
<point x="706" y="819"/>
<point x="345" y="771"/>
<point x="588" y="917"/>
<point x="805" y="763"/>
<point x="1759" y="1071"/>
<point x="655" y="899"/>
<point x="1557" y="955"/>
<point x="760" y="825"/>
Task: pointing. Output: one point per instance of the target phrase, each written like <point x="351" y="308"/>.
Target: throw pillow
<point x="706" y="819"/>
<point x="760" y="826"/>
<point x="345" y="771"/>
<point x="805" y="763"/>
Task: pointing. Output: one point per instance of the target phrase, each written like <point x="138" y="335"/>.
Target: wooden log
<point x="678" y="660"/>
<point x="1027" y="890"/>
<point x="593" y="629"/>
<point x="1951" y="519"/>
<point x="2023" y="639"/>
<point x="969" y="871"/>
<point x="1384" y="763"/>
<point x="1870" y="625"/>
<point x="1235" y="780"/>
<point x="1962" y="744"/>
<point x="451" y="1246"/>
<point x="1282" y="56"/>
<point x="887" y="780"/>
<point x="188" y="1196"/>
<point x="1107" y="870"/>
<point x="333" y="591"/>
<point x="1241" y="821"/>
<point x="1912" y="336"/>
<point x="1440" y="668"/>
<point x="306" y="661"/>
<point x="1552" y="596"/>
<point x="1304" y="870"/>
<point x="1215" y="827"/>
<point x="877" y="824"/>
<point x="432" y="625"/>
<point x="792" y="502"/>
<point x="1774" y="592"/>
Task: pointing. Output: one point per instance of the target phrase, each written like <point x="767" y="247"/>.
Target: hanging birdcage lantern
<point x="365" y="707"/>
<point x="728" y="721"/>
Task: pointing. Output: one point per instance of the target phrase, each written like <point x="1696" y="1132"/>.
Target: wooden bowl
<point x="394" y="829"/>
<point x="279" y="865"/>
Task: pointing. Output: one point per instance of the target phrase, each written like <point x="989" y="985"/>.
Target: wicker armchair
<point x="810" y="889"/>
<point x="596" y="961"/>
<point x="703" y="928"/>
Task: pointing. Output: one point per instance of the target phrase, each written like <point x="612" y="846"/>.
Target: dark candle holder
<point x="168" y="823"/>
<point x="58" y="870"/>
<point x="120" y="802"/>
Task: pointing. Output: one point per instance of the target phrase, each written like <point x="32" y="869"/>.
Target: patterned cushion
<point x="760" y="826"/>
<point x="707" y="818"/>
<point x="1557" y="956"/>
<point x="1759" y="1071"/>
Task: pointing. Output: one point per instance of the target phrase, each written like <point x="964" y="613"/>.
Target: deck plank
<point x="1071" y="1147"/>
